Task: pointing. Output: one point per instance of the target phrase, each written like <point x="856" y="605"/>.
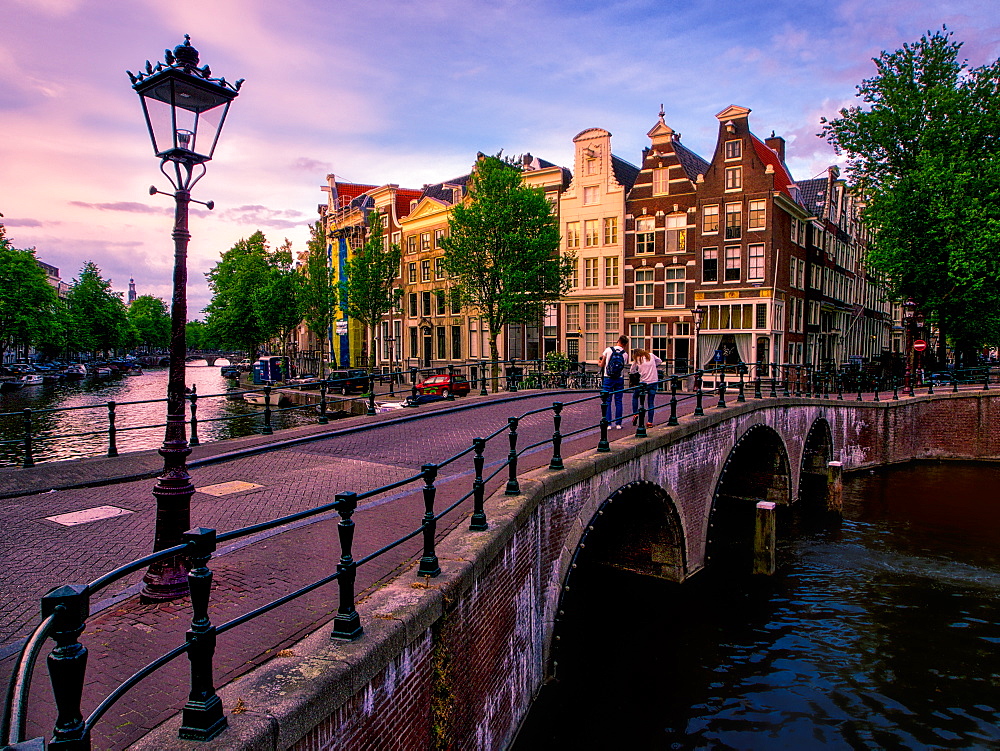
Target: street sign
<point x="920" y="345"/>
<point x="718" y="355"/>
<point x="341" y="327"/>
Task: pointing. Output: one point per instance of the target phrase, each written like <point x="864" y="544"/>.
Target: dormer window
<point x="734" y="149"/>
<point x="734" y="178"/>
<point x="661" y="181"/>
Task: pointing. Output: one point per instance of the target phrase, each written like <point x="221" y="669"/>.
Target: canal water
<point x="879" y="631"/>
<point x="219" y="416"/>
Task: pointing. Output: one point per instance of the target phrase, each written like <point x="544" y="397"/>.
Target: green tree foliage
<point x="97" y="315"/>
<point x="196" y="336"/>
<point x="502" y="252"/>
<point x="29" y="305"/>
<point x="925" y="152"/>
<point x="151" y="321"/>
<point x="279" y="301"/>
<point x="368" y="293"/>
<point x="319" y="294"/>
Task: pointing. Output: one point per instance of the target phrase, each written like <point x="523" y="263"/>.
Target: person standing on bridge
<point x="612" y="363"/>
<point x="645" y="366"/>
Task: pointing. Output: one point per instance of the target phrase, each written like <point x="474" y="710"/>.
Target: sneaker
<point x="618" y="426"/>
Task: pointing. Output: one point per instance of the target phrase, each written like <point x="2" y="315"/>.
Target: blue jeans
<point x="650" y="395"/>
<point x="614" y="384"/>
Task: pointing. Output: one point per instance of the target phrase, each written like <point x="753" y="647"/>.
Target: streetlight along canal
<point x="150" y="385"/>
<point x="878" y="631"/>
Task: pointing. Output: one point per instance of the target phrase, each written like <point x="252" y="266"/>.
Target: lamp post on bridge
<point x="909" y="316"/>
<point x="185" y="109"/>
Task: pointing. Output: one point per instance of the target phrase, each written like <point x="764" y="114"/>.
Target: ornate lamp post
<point x="909" y="311"/>
<point x="698" y="313"/>
<point x="185" y="109"/>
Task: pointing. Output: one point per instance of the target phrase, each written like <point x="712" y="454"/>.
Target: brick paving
<point x="300" y="469"/>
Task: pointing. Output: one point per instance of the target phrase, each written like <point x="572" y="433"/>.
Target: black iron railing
<point x="65" y="610"/>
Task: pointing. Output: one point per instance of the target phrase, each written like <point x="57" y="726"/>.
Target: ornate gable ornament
<point x="732" y="112"/>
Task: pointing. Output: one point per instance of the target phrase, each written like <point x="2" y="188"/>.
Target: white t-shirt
<point x="647" y="369"/>
<point x="606" y="355"/>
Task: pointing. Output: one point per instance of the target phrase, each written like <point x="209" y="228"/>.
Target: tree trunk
<point x="495" y="364"/>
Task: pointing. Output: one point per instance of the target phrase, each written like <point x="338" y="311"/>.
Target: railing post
<point x="193" y="440"/>
<point x="512" y="379"/>
<point x="788" y="372"/>
<point x="266" y="430"/>
<point x="323" y="420"/>
<point x="756" y="385"/>
<point x="930" y="386"/>
<point x="722" y="393"/>
<point x="29" y="459"/>
<point x="451" y="383"/>
<point x="840" y="387"/>
<point x="556" y="462"/>
<point x="513" y="486"/>
<point x="674" y="385"/>
<point x="371" y="394"/>
<point x="798" y="380"/>
<point x="774" y="382"/>
<point x="954" y="384"/>
<point x="698" y="408"/>
<point x="895" y="388"/>
<point x="640" y="430"/>
<point x="876" y="398"/>
<point x="112" y="431"/>
<point x="986" y="379"/>
<point x="68" y="664"/>
<point x="483" y="391"/>
<point x="603" y="445"/>
<point x="203" y="718"/>
<point x="741" y="397"/>
<point x="859" y="391"/>
<point x="478" y="521"/>
<point x="429" y="561"/>
<point x="347" y="622"/>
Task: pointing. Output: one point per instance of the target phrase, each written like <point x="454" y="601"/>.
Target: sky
<point x="379" y="91"/>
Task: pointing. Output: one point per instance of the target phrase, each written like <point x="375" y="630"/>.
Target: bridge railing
<point x="65" y="609"/>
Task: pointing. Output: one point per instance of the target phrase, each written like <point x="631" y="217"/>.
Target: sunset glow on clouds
<point x="408" y="93"/>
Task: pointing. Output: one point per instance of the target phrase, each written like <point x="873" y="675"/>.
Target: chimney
<point x="778" y="144"/>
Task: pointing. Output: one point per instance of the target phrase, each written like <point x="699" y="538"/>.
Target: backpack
<point x="615" y="364"/>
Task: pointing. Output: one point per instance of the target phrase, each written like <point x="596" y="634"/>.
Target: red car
<point x="440" y="385"/>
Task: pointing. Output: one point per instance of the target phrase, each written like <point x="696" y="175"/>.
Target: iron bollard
<point x="698" y="408"/>
<point x="322" y="403"/>
<point x="722" y="395"/>
<point x="451" y="383"/>
<point x="756" y="387"/>
<point x="556" y="462"/>
<point x="895" y="388"/>
<point x="930" y="386"/>
<point x="640" y="430"/>
<point x="774" y="385"/>
<point x="266" y="430"/>
<point x="513" y="486"/>
<point x="194" y="415"/>
<point x="29" y="459"/>
<point x="429" y="561"/>
<point x="478" y="522"/>
<point x="876" y="399"/>
<point x="202" y="716"/>
<point x="371" y="394"/>
<point x="112" y="431"/>
<point x="68" y="663"/>
<point x="603" y="445"/>
<point x="347" y="622"/>
<point x="674" y="385"/>
<point x="859" y="391"/>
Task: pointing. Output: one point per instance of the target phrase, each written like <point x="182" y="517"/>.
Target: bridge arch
<point x="756" y="469"/>
<point x="817" y="452"/>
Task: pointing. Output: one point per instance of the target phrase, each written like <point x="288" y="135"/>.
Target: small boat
<point x="256" y="397"/>
<point x="75" y="372"/>
<point x="32" y="379"/>
<point x="100" y="371"/>
<point x="11" y="384"/>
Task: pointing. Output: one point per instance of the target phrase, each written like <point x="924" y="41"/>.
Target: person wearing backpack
<point x="613" y="362"/>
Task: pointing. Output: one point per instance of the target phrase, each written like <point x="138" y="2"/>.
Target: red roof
<point x="403" y="198"/>
<point x="782" y="177"/>
<point x="347" y="192"/>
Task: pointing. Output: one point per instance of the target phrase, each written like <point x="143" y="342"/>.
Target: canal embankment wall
<point x="455" y="661"/>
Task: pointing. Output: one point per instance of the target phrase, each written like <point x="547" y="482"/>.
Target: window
<point x="802" y="273"/>
<point x="440" y="304"/>
<point x="675" y="235"/>
<point x="761" y="322"/>
<point x="675" y="286"/>
<point x="755" y="262"/>
<point x="438" y="237"/>
<point x="644" y="242"/>
<point x="592" y="342"/>
<point x="612" y="319"/>
<point x="413" y="341"/>
<point x="755" y="218"/>
<point x="425" y="270"/>
<point x="637" y="335"/>
<point x="591" y="195"/>
<point x="710" y="265"/>
<point x="411" y="244"/>
<point x="732" y="263"/>
<point x="611" y="230"/>
<point x="413" y="305"/>
<point x="572" y="234"/>
<point x="710" y="219"/>
<point x="734" y="221"/>
<point x="425" y="303"/>
<point x="397" y="238"/>
<point x="574" y="274"/>
<point x="661" y="181"/>
<point x="442" y="351"/>
<point x="456" y="303"/>
<point x="592" y="316"/>
<point x="611" y="271"/>
<point x="793" y="268"/>
<point x="439" y="268"/>
<point x="590" y="166"/>
<point x="734" y="178"/>
<point x="590" y="275"/>
<point x="644" y="288"/>
<point x="572" y="316"/>
<point x="734" y="149"/>
<point x="660" y="340"/>
<point x="590" y="236"/>
<point x="456" y="342"/>
<point x="425" y="241"/>
<point x="412" y="273"/>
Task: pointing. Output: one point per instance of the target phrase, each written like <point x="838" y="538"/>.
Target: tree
<point x="279" y="300"/>
<point x="319" y="294"/>
<point x="196" y="336"/>
<point x="98" y="318"/>
<point x="28" y="303"/>
<point x="368" y="292"/>
<point x="502" y="252"/>
<point x="925" y="154"/>
<point x="151" y="321"/>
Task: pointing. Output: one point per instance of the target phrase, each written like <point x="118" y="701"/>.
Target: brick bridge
<point x="456" y="662"/>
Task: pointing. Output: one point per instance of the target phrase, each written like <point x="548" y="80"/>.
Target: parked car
<point x="353" y="381"/>
<point x="245" y="365"/>
<point x="440" y="385"/>
<point x="230" y="371"/>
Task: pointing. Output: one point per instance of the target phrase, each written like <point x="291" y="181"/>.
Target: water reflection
<point x="877" y="632"/>
<point x="92" y="392"/>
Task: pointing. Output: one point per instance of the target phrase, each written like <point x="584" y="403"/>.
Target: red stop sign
<point x="920" y="345"/>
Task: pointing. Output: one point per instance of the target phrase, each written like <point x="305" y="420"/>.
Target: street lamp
<point x="185" y="109"/>
<point x="909" y="315"/>
<point x="698" y="313"/>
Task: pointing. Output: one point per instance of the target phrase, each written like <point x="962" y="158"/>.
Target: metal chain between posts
<point x="556" y="461"/>
<point x="429" y="565"/>
<point x="347" y="622"/>
<point x="112" y="431"/>
<point x="194" y="415"/>
<point x="29" y="459"/>
<point x="478" y="522"/>
<point x="202" y="716"/>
